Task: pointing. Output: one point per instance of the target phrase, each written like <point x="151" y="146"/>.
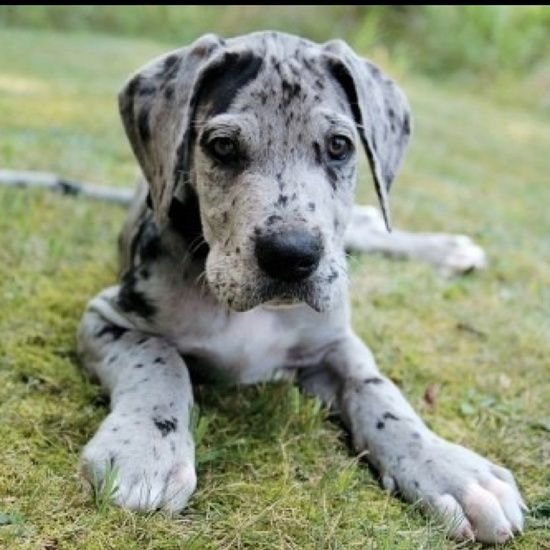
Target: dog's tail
<point x="53" y="182"/>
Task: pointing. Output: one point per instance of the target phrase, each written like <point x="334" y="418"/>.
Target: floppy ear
<point x="381" y="113"/>
<point x="156" y="105"/>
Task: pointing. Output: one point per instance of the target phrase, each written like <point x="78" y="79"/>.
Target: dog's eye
<point x="339" y="148"/>
<point x="224" y="149"/>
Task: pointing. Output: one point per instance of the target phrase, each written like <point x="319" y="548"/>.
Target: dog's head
<point x="251" y="144"/>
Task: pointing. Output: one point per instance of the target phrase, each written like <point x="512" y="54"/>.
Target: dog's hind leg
<point x="449" y="254"/>
<point x="144" y="445"/>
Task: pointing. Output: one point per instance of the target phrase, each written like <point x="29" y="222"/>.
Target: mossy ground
<point x="274" y="471"/>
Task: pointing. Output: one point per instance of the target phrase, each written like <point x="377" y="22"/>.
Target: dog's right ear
<point x="157" y="105"/>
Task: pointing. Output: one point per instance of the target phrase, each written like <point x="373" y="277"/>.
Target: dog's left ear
<point x="381" y="113"/>
<point x="157" y="106"/>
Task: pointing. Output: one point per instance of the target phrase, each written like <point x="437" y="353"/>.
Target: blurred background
<point x="464" y="43"/>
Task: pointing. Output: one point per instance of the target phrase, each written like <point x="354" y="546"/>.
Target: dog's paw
<point x="144" y="463"/>
<point x="476" y="499"/>
<point x="454" y="255"/>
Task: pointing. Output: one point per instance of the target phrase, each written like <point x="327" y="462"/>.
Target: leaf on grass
<point x="430" y="395"/>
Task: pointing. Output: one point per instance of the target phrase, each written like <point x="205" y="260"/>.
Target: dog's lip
<point x="282" y="304"/>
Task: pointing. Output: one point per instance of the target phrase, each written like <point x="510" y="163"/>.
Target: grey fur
<point x="192" y="299"/>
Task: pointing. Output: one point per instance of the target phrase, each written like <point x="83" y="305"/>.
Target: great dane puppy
<point x="234" y="270"/>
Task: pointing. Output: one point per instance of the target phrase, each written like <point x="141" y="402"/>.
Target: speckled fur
<point x="192" y="302"/>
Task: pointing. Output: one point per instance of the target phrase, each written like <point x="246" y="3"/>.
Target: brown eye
<point x="224" y="149"/>
<point x="339" y="148"/>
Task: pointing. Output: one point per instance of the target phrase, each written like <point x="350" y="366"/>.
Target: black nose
<point x="289" y="256"/>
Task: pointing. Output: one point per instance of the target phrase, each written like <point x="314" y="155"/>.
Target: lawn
<point x="274" y="470"/>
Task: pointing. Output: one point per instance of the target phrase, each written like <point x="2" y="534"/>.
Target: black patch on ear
<point x="186" y="221"/>
<point x="146" y="244"/>
<point x="170" y="66"/>
<point x="143" y="124"/>
<point x="342" y="75"/>
<point x="149" y="246"/>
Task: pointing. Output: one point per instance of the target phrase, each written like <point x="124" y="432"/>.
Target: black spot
<point x="406" y="125"/>
<point x="170" y="66"/>
<point x="311" y="206"/>
<point x="282" y="200"/>
<point x="416" y="484"/>
<point x="112" y="359"/>
<point x="373" y="380"/>
<point x="273" y="218"/>
<point x="142" y="341"/>
<point x="237" y="250"/>
<point x="166" y="426"/>
<point x="169" y="92"/>
<point x="333" y="276"/>
<point x="380" y="425"/>
<point x="138" y="366"/>
<point x="132" y="300"/>
<point x="114" y="331"/>
<point x="160" y="361"/>
<point x="390" y="416"/>
<point x="290" y="91"/>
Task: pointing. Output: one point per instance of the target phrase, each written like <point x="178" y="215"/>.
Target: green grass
<point x="274" y="471"/>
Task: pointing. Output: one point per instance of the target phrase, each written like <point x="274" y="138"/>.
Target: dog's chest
<point x="261" y="344"/>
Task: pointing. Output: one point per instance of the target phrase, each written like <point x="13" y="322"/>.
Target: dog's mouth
<point x="280" y="296"/>
<point x="282" y="304"/>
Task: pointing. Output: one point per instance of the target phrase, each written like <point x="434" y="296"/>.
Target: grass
<point x="274" y="471"/>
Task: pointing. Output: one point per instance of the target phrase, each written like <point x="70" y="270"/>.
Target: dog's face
<point x="275" y="174"/>
<point x="261" y="133"/>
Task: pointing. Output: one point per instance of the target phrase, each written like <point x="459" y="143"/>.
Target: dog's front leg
<point x="477" y="498"/>
<point x="144" y="444"/>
